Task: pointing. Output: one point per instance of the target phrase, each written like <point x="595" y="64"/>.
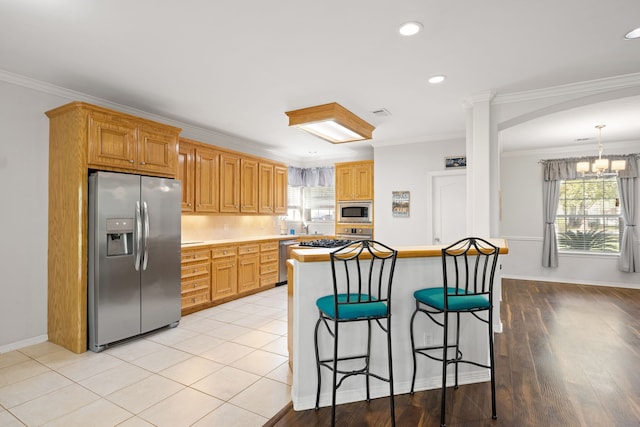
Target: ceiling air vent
<point x="381" y="112"/>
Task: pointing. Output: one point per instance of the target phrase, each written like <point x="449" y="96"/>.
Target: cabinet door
<point x="266" y="185"/>
<point x="206" y="180"/>
<point x="281" y="185"/>
<point x="229" y="183"/>
<point x="249" y="186"/>
<point x="363" y="182"/>
<point x="224" y="278"/>
<point x="344" y="183"/>
<point x="186" y="174"/>
<point x="157" y="151"/>
<point x="112" y="142"/>
<point x="248" y="272"/>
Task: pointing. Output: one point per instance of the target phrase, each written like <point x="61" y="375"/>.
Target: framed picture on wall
<point x="455" y="162"/>
<point x="400" y="204"/>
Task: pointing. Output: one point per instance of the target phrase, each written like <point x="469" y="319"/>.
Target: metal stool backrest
<point x="469" y="267"/>
<point x="363" y="268"/>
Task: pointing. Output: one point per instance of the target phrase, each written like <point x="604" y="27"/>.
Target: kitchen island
<point x="416" y="267"/>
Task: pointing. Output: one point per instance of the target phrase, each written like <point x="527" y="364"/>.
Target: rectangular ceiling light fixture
<point x="331" y="122"/>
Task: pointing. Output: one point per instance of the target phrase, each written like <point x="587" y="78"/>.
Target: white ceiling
<point x="237" y="66"/>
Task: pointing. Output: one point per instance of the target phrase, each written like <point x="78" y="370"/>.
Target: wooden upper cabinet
<point x="280" y="187"/>
<point x="354" y="181"/>
<point x="207" y="181"/>
<point x="215" y="180"/>
<point x="157" y="151"/>
<point x="266" y="188"/>
<point x="229" y="183"/>
<point x="186" y="174"/>
<point x="248" y="186"/>
<point x="121" y="142"/>
<point x="112" y="142"/>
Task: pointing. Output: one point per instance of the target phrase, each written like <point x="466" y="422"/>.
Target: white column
<point x="479" y="164"/>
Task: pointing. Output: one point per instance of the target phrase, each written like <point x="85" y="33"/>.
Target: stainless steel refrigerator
<point x="134" y="256"/>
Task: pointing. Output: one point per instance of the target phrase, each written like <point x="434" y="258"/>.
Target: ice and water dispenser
<point x="119" y="236"/>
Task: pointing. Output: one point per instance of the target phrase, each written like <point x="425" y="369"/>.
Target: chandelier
<point x="600" y="167"/>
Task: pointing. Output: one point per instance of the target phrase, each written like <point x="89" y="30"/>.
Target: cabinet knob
<point x="131" y="161"/>
<point x="143" y="163"/>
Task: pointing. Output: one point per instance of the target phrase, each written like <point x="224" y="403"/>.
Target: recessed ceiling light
<point x="437" y="79"/>
<point x="633" y="34"/>
<point x="410" y="28"/>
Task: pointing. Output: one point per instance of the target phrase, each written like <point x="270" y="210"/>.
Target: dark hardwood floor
<point x="569" y="355"/>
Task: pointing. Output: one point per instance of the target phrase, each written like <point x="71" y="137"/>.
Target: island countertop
<point x="418" y="251"/>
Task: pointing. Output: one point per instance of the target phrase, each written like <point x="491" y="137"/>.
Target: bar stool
<point x="468" y="268"/>
<point x="362" y="277"/>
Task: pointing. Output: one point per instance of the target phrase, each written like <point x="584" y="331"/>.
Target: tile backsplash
<point x="215" y="227"/>
<point x="210" y="227"/>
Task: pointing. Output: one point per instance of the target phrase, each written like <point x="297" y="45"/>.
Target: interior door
<point x="449" y="202"/>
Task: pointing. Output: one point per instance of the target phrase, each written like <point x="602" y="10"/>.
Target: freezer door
<point x="160" y="264"/>
<point x="113" y="309"/>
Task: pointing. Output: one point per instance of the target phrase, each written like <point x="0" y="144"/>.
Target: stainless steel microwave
<point x="355" y="212"/>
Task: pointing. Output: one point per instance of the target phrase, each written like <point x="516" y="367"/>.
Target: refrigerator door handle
<point x="145" y="259"/>
<point x="138" y="237"/>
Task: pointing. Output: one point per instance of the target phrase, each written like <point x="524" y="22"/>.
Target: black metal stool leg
<point x="413" y="349"/>
<point x="315" y="338"/>
<point x="444" y="368"/>
<point x="494" y="415"/>
<point x="391" y="395"/>
<point x="335" y="374"/>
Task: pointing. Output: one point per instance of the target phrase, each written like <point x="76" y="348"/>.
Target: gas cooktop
<point x="325" y="243"/>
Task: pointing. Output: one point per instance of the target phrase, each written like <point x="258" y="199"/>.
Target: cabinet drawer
<point x="269" y="279"/>
<point x="194" y="270"/>
<point x="270" y="246"/>
<point x="248" y="249"/>
<point x="190" y="286"/>
<point x="223" y="251"/>
<point x="271" y="267"/>
<point x="195" y="256"/>
<point x="196" y="299"/>
<point x="269" y="257"/>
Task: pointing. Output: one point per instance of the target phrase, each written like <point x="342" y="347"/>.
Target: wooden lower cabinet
<point x="216" y="274"/>
<point x="269" y="264"/>
<point x="248" y="267"/>
<point x="224" y="272"/>
<point x="195" y="280"/>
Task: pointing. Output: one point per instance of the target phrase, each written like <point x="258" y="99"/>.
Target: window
<point x="311" y="203"/>
<point x="588" y="217"/>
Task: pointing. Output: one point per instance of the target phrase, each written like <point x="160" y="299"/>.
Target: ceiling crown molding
<point x="609" y="83"/>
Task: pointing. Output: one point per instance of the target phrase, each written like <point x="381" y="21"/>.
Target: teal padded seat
<point x="458" y="300"/>
<point x="366" y="306"/>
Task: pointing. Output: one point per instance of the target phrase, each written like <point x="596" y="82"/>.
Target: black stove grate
<point x="326" y="243"/>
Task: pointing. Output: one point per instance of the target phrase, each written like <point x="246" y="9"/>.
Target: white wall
<point x="24" y="166"/>
<point x="522" y="226"/>
<point x="406" y="168"/>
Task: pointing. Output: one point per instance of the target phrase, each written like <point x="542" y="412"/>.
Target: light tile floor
<point x="225" y="366"/>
